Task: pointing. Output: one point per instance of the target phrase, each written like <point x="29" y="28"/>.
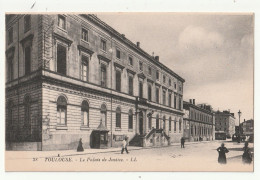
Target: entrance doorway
<point x="141" y="123"/>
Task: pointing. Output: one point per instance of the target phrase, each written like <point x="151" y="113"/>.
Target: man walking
<point x="124" y="146"/>
<point x="182" y="142"/>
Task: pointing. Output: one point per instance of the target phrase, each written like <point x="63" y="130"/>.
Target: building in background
<point x="68" y="76"/>
<point x="247" y="127"/>
<point x="199" y="121"/>
<point x="225" y="122"/>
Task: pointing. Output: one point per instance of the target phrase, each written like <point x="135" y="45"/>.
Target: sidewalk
<point x="62" y="153"/>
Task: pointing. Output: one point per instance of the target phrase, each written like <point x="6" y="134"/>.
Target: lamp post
<point x="239" y="131"/>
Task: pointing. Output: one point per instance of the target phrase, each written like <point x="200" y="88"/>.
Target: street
<point x="197" y="156"/>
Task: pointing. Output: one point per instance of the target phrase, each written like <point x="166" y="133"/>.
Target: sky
<point x="214" y="53"/>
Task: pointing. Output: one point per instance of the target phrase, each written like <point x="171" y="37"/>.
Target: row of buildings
<point x="72" y="76"/>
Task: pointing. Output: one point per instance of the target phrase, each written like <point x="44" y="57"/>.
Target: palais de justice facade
<point x="70" y="75"/>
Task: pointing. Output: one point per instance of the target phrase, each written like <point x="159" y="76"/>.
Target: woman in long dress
<point x="247" y="156"/>
<point x="222" y="150"/>
<point x="80" y="147"/>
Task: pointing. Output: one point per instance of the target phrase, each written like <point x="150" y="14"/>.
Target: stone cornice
<point x="84" y="49"/>
<point x="120" y="66"/>
<point x="62" y="38"/>
<point x="101" y="57"/>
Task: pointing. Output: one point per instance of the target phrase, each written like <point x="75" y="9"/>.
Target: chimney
<point x="194" y="101"/>
<point x="123" y="35"/>
<point x="138" y="44"/>
<point x="244" y="120"/>
<point x="157" y="58"/>
<point x="191" y="101"/>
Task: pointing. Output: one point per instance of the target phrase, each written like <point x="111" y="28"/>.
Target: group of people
<point x="246" y="157"/>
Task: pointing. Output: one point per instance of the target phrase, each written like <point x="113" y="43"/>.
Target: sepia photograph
<point x="131" y="92"/>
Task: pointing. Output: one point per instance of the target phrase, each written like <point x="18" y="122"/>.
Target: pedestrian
<point x="124" y="146"/>
<point x="222" y="150"/>
<point x="182" y="142"/>
<point x="247" y="156"/>
<point x="80" y="147"/>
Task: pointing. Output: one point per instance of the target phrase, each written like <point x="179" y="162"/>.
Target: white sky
<point x="212" y="52"/>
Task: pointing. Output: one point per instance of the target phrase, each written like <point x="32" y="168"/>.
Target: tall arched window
<point x="180" y="124"/>
<point x="61" y="111"/>
<point x="157" y="121"/>
<point x="85" y="113"/>
<point x="27" y="110"/>
<point x="103" y="112"/>
<point x="170" y="123"/>
<point x="150" y="122"/>
<point x="10" y="113"/>
<point x="175" y="124"/>
<point x="164" y="124"/>
<point x="118" y="117"/>
<point x="130" y="119"/>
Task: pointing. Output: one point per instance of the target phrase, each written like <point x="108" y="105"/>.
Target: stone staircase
<point x="137" y="140"/>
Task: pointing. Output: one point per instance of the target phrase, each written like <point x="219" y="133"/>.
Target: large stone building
<point x="225" y="122"/>
<point x="70" y="75"/>
<point x="199" y="121"/>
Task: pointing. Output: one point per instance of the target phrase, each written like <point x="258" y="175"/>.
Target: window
<point x="170" y="82"/>
<point x="10" y="35"/>
<point x="191" y="129"/>
<point x="10" y="69"/>
<point x="118" y="117"/>
<point x="103" y="45"/>
<point x="149" y="92"/>
<point x="118" y="54"/>
<point x="130" y="85"/>
<point x="118" y="80"/>
<point x="170" y="99"/>
<point x="140" y="89"/>
<point x="180" y="89"/>
<point x="84" y="35"/>
<point x="164" y="79"/>
<point x="61" y="59"/>
<point x="103" y="112"/>
<point x="157" y="122"/>
<point x="175" y="125"/>
<point x="27" y="23"/>
<point x="164" y="97"/>
<point x="180" y="126"/>
<point x="170" y="124"/>
<point x="27" y="58"/>
<point x="157" y="75"/>
<point x="27" y="110"/>
<point x="61" y="111"/>
<point x="150" y="71"/>
<point x="164" y="124"/>
<point x="103" y="75"/>
<point x="85" y="113"/>
<point x="84" y="68"/>
<point x="130" y="59"/>
<point x="150" y="122"/>
<point x="130" y="119"/>
<point x="175" y="85"/>
<point x="175" y="101"/>
<point x="180" y="103"/>
<point x="10" y="112"/>
<point x="62" y="22"/>
<point x="141" y="66"/>
<point x="157" y="94"/>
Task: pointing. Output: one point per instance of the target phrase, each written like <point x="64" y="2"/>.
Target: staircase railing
<point x="153" y="130"/>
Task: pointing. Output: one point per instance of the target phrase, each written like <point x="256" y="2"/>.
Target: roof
<point x="187" y="105"/>
<point x="121" y="37"/>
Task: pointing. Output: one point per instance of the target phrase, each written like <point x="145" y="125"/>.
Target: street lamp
<point x="239" y="131"/>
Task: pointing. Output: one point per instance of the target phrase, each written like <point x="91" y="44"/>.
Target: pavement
<point x="196" y="156"/>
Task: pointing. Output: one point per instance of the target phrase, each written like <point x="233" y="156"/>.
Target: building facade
<point x="67" y="75"/>
<point x="247" y="127"/>
<point x="199" y="121"/>
<point x="225" y="122"/>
